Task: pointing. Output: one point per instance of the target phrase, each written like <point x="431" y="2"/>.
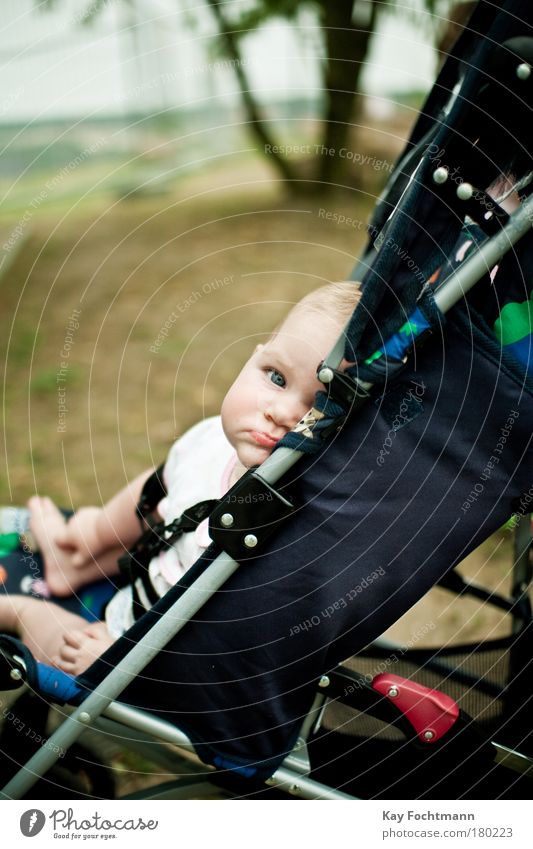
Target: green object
<point x="8" y="543"/>
<point x="515" y="322"/>
<point x="409" y="328"/>
<point x="375" y="356"/>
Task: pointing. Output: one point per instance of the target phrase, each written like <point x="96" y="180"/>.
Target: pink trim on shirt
<point x="201" y="533"/>
<point x="227" y="473"/>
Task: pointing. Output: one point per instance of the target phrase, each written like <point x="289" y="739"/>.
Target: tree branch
<point x="231" y="46"/>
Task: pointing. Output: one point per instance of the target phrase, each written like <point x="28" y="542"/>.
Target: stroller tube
<point x="450" y="290"/>
<point x="121" y="675"/>
<point x="466" y="276"/>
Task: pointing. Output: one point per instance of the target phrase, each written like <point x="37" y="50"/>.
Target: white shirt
<point x="199" y="467"/>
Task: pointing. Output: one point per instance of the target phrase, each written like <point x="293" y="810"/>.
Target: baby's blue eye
<point x="276" y="377"/>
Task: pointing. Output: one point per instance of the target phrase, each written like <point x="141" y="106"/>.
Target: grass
<point x="126" y="266"/>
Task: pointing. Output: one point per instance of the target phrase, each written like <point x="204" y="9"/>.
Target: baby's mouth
<point x="265" y="440"/>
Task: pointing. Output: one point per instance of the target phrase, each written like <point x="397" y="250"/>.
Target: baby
<point x="273" y="391"/>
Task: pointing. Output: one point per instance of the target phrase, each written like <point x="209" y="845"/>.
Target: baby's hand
<point x="81" y="648"/>
<point x="79" y="536"/>
<point x="64" y="562"/>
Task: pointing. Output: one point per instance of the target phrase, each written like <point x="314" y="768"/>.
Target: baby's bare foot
<point x="81" y="648"/>
<point x="46" y="521"/>
<point x="39" y="624"/>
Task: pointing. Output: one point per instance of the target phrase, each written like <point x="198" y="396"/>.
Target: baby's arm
<point x="92" y="531"/>
<point x="86" y="547"/>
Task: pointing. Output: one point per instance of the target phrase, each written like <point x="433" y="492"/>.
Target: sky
<point x="53" y="66"/>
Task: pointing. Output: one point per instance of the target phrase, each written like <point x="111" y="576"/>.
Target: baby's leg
<point x="40" y="624"/>
<point x="46" y="521"/>
<point x="62" y="577"/>
<point x="82" y="647"/>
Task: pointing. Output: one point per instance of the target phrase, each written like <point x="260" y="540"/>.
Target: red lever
<point x="430" y="712"/>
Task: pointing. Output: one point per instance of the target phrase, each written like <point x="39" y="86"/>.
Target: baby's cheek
<point x="226" y="418"/>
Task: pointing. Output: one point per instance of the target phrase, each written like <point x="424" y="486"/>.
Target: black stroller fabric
<point x="368" y="542"/>
<point x="436" y="462"/>
<point x="477" y="133"/>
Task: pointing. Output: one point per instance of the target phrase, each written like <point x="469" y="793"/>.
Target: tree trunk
<point x="346" y="49"/>
<point x="257" y="124"/>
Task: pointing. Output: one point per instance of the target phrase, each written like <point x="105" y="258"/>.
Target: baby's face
<point x="277" y="385"/>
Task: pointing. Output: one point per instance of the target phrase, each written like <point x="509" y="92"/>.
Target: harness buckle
<point x="233" y="523"/>
<point x="345" y="390"/>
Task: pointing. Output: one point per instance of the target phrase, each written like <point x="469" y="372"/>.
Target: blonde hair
<point x="336" y="300"/>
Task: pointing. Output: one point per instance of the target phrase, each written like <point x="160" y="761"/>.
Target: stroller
<point x="408" y="461"/>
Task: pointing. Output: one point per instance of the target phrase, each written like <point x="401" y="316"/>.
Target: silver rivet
<point x="465" y="191"/>
<point x="226" y="520"/>
<point x="15" y="674"/>
<point x="325" y="375"/>
<point x="84" y="717"/>
<point x="393" y="692"/>
<point x="440" y="175"/>
<point x="429" y="735"/>
<point x="523" y="71"/>
<point x="250" y="541"/>
<point x="324" y="681"/>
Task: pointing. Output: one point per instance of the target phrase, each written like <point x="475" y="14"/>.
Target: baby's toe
<point x="73" y="639"/>
<point x="35" y="506"/>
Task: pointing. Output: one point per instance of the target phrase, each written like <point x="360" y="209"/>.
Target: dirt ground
<point x="123" y="323"/>
<point x="168" y="299"/>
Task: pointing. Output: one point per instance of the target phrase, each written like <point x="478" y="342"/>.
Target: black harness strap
<point x="233" y="526"/>
<point x="158" y="536"/>
<point x="153" y="491"/>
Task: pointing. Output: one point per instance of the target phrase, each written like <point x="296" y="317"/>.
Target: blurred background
<point x="173" y="175"/>
<point x="166" y="166"/>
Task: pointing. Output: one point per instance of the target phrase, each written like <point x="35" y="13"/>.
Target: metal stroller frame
<point x="101" y="708"/>
<point x="341" y="688"/>
<point x="293" y="775"/>
<point x="500" y="703"/>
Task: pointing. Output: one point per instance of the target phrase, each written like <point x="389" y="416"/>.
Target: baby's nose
<point x="286" y="412"/>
